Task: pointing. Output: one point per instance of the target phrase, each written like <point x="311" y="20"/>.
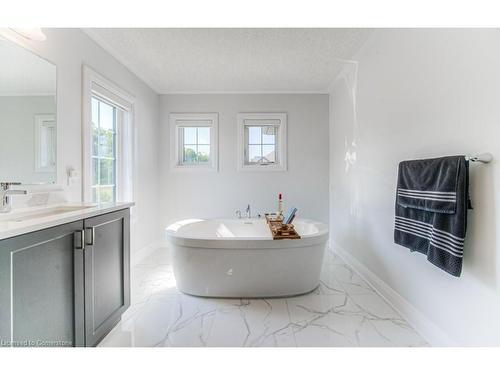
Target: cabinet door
<point x="41" y="288"/>
<point x="107" y="273"/>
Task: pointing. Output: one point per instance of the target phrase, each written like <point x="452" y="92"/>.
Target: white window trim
<point x="39" y="120"/>
<point x="175" y="150"/>
<point x="119" y="97"/>
<point x="281" y="143"/>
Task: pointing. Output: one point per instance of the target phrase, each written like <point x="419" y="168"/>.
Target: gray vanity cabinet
<point x="41" y="288"/>
<point x="107" y="280"/>
<point x="67" y="285"/>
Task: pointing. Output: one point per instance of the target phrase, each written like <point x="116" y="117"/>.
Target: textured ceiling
<point x="233" y="60"/>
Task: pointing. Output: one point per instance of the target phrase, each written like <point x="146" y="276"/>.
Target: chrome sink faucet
<point x="5" y="192"/>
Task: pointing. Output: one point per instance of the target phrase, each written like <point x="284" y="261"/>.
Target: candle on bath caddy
<point x="280" y="206"/>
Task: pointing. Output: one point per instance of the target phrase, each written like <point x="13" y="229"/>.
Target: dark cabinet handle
<point x="79" y="239"/>
<point x="91" y="236"/>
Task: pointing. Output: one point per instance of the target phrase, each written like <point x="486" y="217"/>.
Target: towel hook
<point x="481" y="158"/>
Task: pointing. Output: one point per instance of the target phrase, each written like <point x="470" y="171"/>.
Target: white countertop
<point x="9" y="227"/>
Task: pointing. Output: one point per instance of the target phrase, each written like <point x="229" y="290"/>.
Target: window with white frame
<point x="194" y="140"/>
<point x="262" y="141"/>
<point x="108" y="141"/>
<point x="104" y="147"/>
<point x="45" y="143"/>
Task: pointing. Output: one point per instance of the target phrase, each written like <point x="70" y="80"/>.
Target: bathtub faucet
<point x="247" y="215"/>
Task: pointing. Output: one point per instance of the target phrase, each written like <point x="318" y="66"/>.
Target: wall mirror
<point x="28" y="126"/>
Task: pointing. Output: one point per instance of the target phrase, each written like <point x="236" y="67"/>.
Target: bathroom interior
<point x="248" y="187"/>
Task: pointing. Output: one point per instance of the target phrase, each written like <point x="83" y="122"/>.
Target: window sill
<point x="262" y="168"/>
<point x="193" y="168"/>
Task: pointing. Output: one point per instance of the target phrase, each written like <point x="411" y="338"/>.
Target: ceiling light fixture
<point x="32" y="33"/>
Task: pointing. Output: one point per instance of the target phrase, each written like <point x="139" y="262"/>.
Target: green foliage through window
<point x="196" y="145"/>
<point x="103" y="151"/>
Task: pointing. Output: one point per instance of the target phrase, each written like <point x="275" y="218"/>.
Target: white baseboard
<point x="141" y="254"/>
<point x="434" y="335"/>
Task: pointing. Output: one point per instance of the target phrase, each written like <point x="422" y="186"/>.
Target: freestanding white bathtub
<point x="239" y="258"/>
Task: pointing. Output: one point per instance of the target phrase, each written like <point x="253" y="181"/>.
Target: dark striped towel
<point x="431" y="209"/>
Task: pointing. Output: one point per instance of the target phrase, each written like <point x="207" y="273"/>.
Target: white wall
<point x="420" y="94"/>
<point x="69" y="49"/>
<point x="189" y="194"/>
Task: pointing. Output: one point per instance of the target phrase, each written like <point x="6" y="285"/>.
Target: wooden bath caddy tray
<point x="281" y="231"/>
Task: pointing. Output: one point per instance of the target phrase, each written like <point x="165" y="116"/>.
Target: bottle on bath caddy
<point x="279" y="214"/>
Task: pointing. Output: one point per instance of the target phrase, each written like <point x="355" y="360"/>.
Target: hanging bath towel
<point x="431" y="209"/>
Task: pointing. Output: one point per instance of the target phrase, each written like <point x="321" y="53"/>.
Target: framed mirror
<point x="28" y="121"/>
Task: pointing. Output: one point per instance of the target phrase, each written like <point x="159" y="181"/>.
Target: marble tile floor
<point x="343" y="311"/>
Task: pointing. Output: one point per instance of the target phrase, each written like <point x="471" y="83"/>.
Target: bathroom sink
<point x="17" y="218"/>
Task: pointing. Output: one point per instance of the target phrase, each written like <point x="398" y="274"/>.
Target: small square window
<point x="262" y="141"/>
<point x="261" y="144"/>
<point x="194" y="137"/>
<point x="195" y="143"/>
